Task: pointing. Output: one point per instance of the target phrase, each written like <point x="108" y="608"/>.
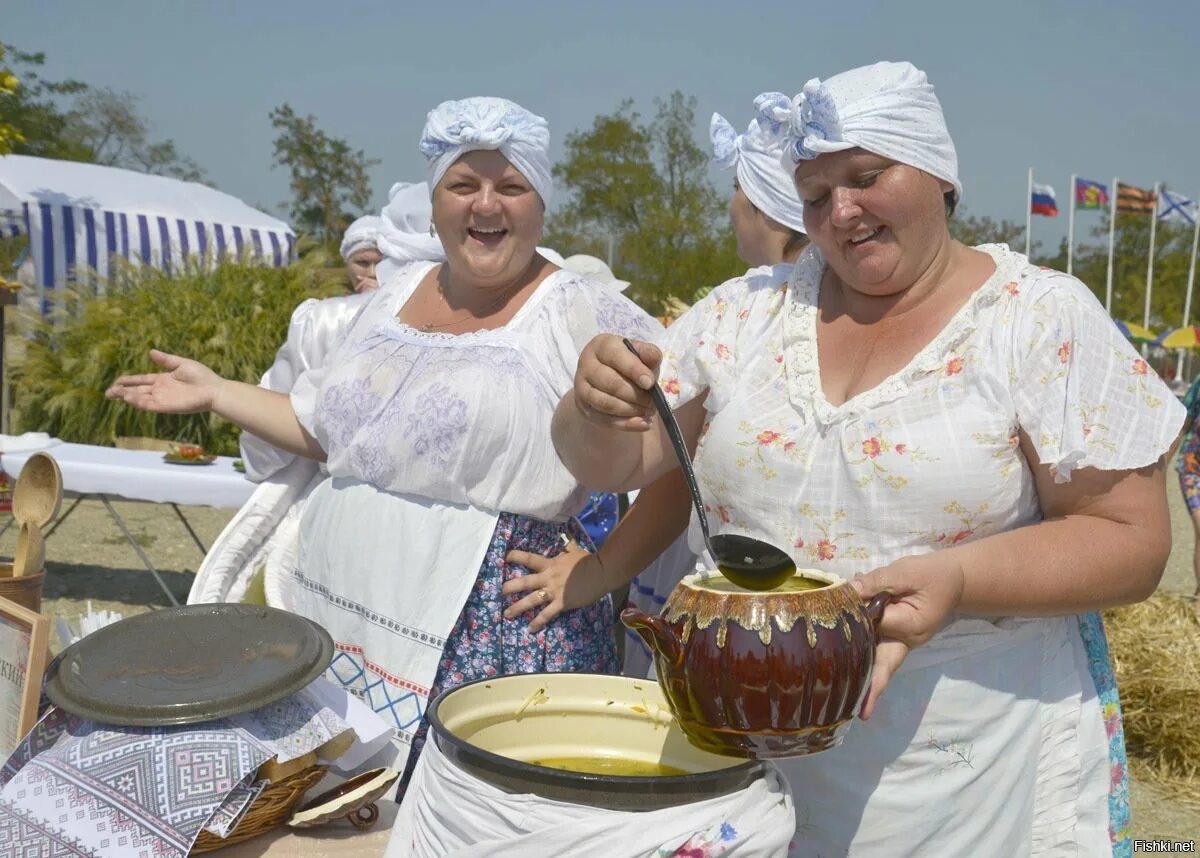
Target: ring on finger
<point x="544" y="595"/>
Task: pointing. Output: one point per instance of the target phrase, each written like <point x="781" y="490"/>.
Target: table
<point x="102" y="473"/>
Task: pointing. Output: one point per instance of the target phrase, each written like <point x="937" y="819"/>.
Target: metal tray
<point x="189" y="664"/>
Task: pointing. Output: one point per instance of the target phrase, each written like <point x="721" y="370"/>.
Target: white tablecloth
<point x="140" y="475"/>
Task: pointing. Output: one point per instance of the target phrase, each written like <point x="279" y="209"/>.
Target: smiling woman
<point x="433" y="416"/>
<point x="962" y="429"/>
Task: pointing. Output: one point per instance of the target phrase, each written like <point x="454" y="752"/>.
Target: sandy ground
<point x="89" y="559"/>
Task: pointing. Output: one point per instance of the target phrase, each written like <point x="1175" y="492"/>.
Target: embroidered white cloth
<point x="75" y="787"/>
<point x="454" y="128"/>
<point x="364" y="232"/>
<point x="405" y="233"/>
<point x="757" y="156"/>
<point x="449" y="813"/>
<point x="886" y="108"/>
<point x="264" y="533"/>
<point x="990" y="708"/>
<point x="429" y="438"/>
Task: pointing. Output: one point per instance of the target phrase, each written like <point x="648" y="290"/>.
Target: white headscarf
<point x="456" y="127"/>
<point x="887" y="108"/>
<point x="405" y="234"/>
<point x="594" y="268"/>
<point x="364" y="232"/>
<point x="757" y="157"/>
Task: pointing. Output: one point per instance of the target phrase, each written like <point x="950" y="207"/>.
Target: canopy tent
<point x="78" y="216"/>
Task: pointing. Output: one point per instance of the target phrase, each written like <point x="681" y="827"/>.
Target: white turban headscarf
<point x="887" y="108"/>
<point x="405" y="234"/>
<point x="456" y="127"/>
<point x="364" y="232"/>
<point x="757" y="158"/>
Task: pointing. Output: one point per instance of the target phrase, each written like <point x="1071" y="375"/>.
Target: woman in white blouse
<point x="255" y="554"/>
<point x="433" y="419"/>
<point x="966" y="428"/>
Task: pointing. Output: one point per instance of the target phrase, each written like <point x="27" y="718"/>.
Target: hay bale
<point x="1156" y="656"/>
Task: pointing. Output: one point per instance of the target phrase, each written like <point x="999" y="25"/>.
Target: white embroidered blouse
<point x="462" y="419"/>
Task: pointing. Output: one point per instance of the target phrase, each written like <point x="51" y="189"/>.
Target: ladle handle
<point x="685" y="461"/>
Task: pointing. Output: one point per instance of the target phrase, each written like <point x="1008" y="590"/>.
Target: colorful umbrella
<point x="1180" y="338"/>
<point x="1136" y="332"/>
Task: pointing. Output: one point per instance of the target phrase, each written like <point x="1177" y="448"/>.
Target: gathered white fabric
<point x="757" y="157"/>
<point x="454" y="128"/>
<point x="364" y="232"/>
<point x="405" y="234"/>
<point x="449" y="813"/>
<point x="265" y="532"/>
<point x="886" y="108"/>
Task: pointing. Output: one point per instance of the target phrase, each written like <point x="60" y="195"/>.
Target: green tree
<point x="34" y="108"/>
<point x="108" y="123"/>
<point x="329" y="179"/>
<point x="973" y="229"/>
<point x="644" y="187"/>
<point x="9" y="135"/>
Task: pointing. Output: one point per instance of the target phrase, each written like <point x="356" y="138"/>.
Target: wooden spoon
<point x="30" y="558"/>
<point x="37" y="495"/>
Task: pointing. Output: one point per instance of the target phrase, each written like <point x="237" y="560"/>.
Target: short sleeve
<point x="701" y="348"/>
<point x="1082" y="393"/>
<point x="581" y="309"/>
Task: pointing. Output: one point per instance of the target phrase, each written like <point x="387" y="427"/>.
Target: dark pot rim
<point x="555" y="783"/>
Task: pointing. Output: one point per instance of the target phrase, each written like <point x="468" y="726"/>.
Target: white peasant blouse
<point x="462" y="419"/>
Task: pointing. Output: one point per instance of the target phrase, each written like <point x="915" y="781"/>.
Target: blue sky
<point x="1098" y="88"/>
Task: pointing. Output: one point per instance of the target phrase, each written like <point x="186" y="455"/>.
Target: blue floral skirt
<point x="484" y="644"/>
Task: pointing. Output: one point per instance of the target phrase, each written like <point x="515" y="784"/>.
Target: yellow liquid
<point x="610" y="766"/>
<point x="793" y="584"/>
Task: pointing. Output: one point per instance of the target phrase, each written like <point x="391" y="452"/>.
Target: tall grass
<point x="232" y="318"/>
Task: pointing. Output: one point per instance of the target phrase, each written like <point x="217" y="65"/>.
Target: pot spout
<point x="656" y="632"/>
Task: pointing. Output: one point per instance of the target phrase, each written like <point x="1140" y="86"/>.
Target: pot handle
<point x="875" y="607"/>
<point x="656" y="632"/>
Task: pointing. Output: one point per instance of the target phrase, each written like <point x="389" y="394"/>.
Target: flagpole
<point x="1112" y="228"/>
<point x="1071" y="225"/>
<point x="1150" y="262"/>
<point x="1187" y="301"/>
<point x="1028" y="210"/>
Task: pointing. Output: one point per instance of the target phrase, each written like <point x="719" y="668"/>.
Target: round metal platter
<point x="189" y="664"/>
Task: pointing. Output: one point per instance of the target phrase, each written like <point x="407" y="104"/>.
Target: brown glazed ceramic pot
<point x="767" y="674"/>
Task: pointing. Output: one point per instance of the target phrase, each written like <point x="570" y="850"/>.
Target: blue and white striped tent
<point x="78" y="216"/>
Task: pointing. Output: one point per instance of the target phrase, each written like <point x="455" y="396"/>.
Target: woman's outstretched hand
<point x="186" y="387"/>
<point x="611" y="383"/>
<point x="926" y="589"/>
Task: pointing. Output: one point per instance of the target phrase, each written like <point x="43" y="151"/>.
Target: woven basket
<point x="272" y="807"/>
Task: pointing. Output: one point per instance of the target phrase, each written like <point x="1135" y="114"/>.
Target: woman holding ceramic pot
<point x="969" y="430"/>
<point x="768" y="224"/>
<point x="433" y="420"/>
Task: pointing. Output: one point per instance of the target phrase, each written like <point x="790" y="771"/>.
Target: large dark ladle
<point x="747" y="562"/>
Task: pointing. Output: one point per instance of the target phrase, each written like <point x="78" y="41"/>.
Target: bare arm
<point x="605" y="430"/>
<point x="574" y="578"/>
<point x="1104" y="542"/>
<point x="188" y="387"/>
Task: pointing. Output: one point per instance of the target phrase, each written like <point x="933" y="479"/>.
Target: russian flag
<point x="1043" y="202"/>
